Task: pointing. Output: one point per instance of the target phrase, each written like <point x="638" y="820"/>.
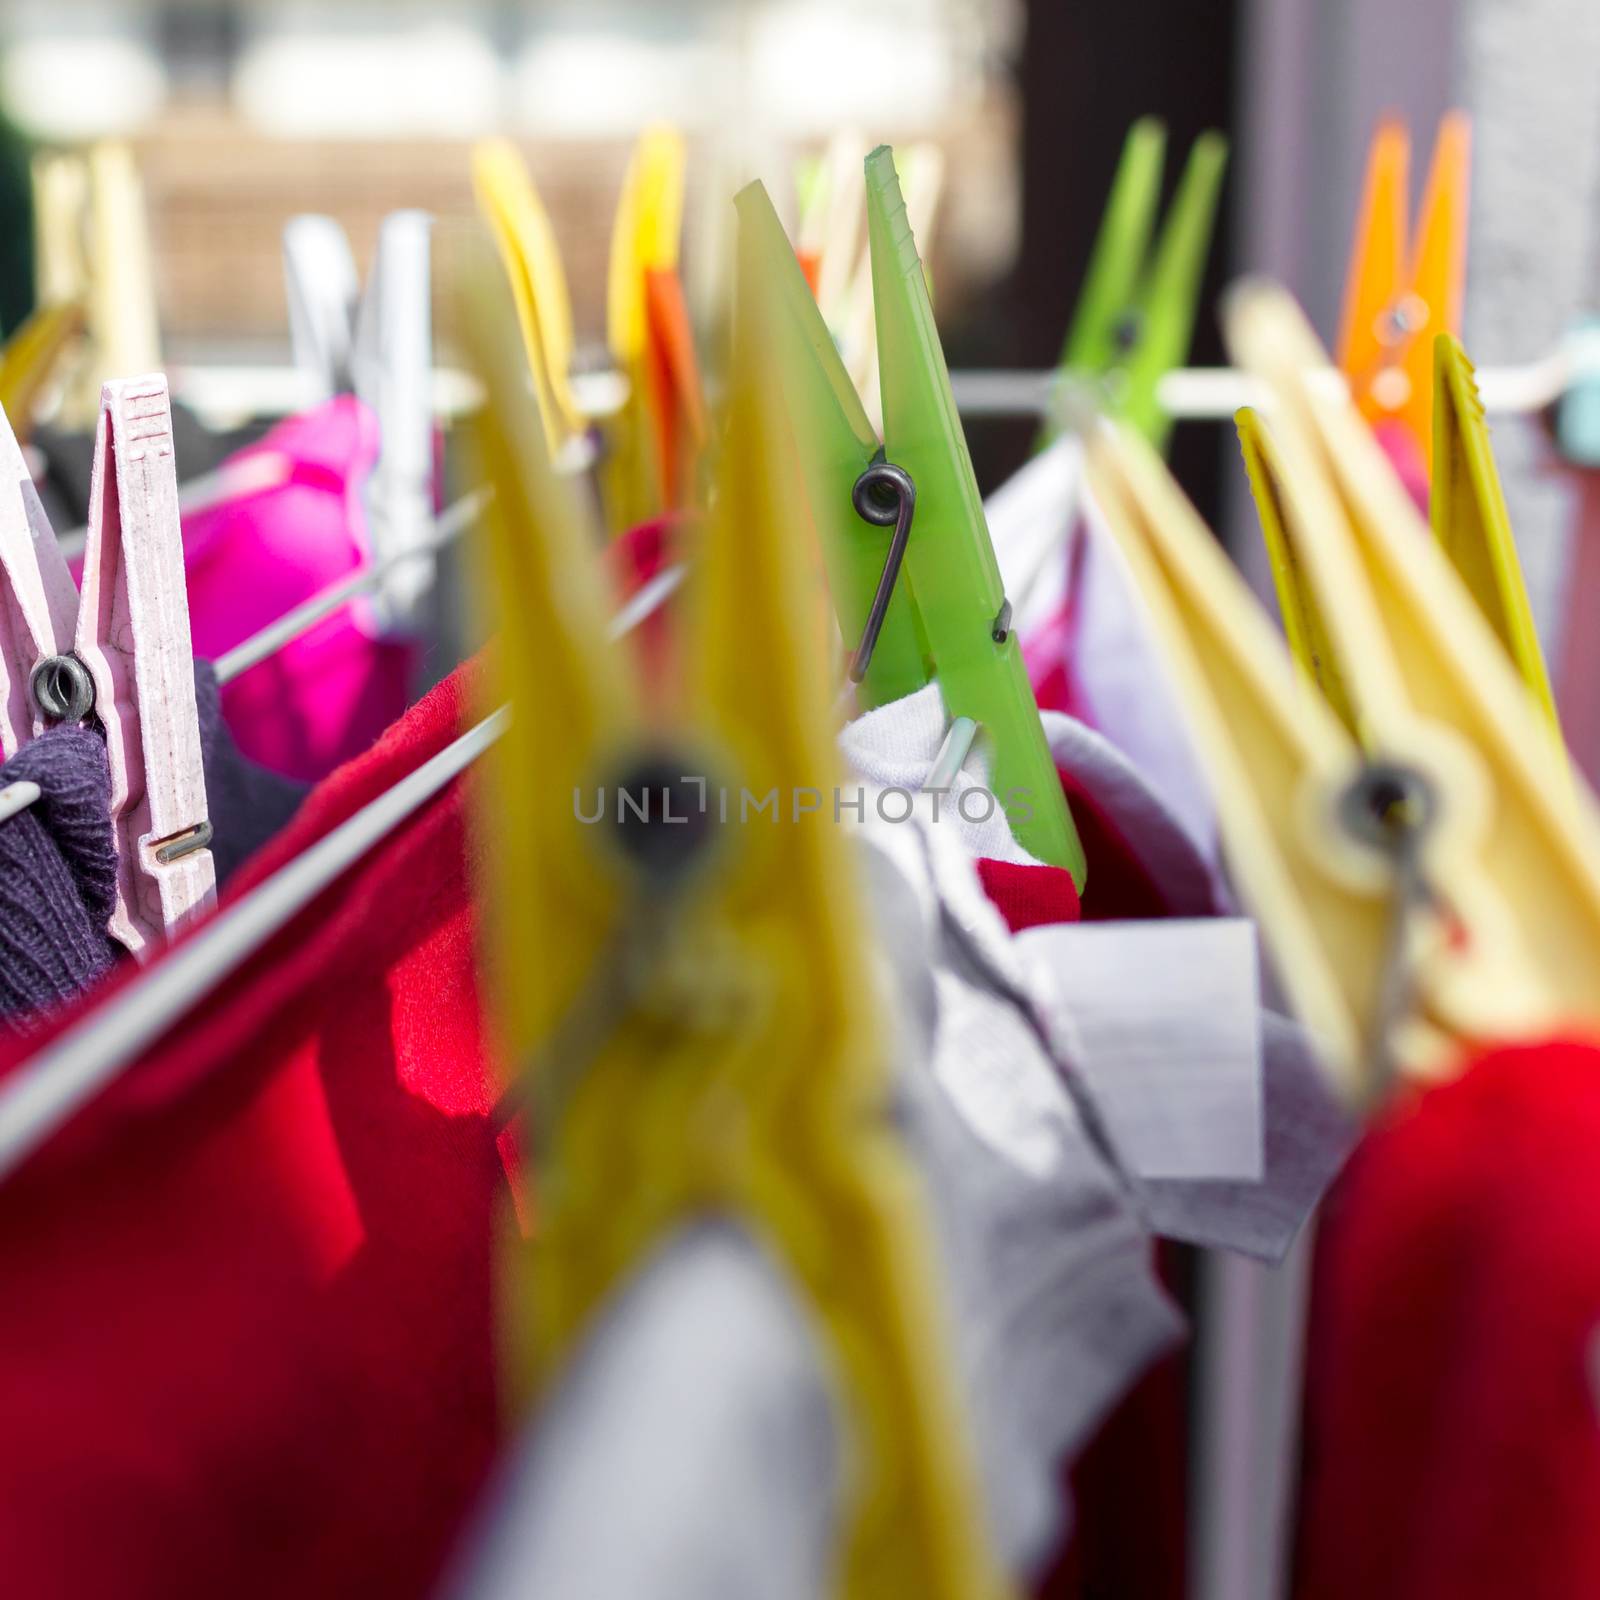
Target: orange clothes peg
<point x="678" y="403"/>
<point x="1399" y="293"/>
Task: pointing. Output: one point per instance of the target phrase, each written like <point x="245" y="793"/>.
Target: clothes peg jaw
<point x="38" y="599"/>
<point x="133" y="636"/>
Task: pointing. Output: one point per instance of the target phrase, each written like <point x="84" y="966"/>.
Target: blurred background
<point x="243" y="112"/>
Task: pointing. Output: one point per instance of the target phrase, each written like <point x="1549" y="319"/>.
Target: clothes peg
<point x="322" y="290"/>
<point x="1467" y="508"/>
<point x="1432" y="690"/>
<point x="644" y="240"/>
<point x="1135" y="315"/>
<point x="858" y="335"/>
<point x="38" y="599"/>
<point x="133" y="640"/>
<point x="677" y="400"/>
<point x="93" y="243"/>
<point x="1401" y="294"/>
<point x="392" y="372"/>
<point x="380" y="346"/>
<point x="521" y="227"/>
<point x="31" y="356"/>
<point x="697" y="1028"/>
<point x="1277" y="759"/>
<point x="927" y="600"/>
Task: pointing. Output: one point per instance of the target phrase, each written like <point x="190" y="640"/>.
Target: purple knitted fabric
<point x="58" y="868"/>
<point x="58" y="876"/>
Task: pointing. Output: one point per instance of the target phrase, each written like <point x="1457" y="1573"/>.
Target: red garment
<point x="1027" y="896"/>
<point x="245" y="1331"/>
<point x="1452" y="1448"/>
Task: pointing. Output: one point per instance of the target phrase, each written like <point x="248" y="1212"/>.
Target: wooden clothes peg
<point x="697" y="1026"/>
<point x="1400" y="292"/>
<point x="133" y="637"/>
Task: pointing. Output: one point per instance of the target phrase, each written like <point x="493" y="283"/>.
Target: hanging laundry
<point x="58" y="852"/>
<point x="247" y="1334"/>
<point x="327" y="695"/>
<point x="1452" y="1447"/>
<point x="58" y="877"/>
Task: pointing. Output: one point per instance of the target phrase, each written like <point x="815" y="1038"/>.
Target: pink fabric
<point x="327" y="696"/>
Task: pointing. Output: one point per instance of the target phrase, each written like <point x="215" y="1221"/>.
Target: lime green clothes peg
<point x="949" y="563"/>
<point x="946" y="609"/>
<point x="835" y="443"/>
<point x="1135" y="316"/>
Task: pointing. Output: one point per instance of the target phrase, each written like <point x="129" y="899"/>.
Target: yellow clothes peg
<point x="1276" y="757"/>
<point x="1515" y="867"/>
<point x="532" y="259"/>
<point x="1400" y="293"/>
<point x="1467" y="508"/>
<point x="644" y="240"/>
<point x="31" y="356"/>
<point x="92" y="242"/>
<point x="686" y="984"/>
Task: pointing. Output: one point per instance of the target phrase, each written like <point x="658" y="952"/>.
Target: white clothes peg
<point x="379" y="345"/>
<point x="392" y="367"/>
<point x="320" y="282"/>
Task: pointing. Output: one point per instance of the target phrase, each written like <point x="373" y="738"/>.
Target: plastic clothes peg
<point x="949" y="561"/>
<point x="698" y="1029"/>
<point x="38" y="599"/>
<point x="521" y="226"/>
<point x="1399" y="293"/>
<point x="644" y="239"/>
<point x="1516" y="868"/>
<point x="31" y="357"/>
<point x="1467" y="508"/>
<point x="133" y="637"/>
<point x="1135" y="315"/>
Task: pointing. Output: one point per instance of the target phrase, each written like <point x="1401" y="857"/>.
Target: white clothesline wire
<point x="234" y="394"/>
<point x="47" y="1089"/>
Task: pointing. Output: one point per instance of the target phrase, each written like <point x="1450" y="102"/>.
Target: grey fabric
<point x="689" y="1453"/>
<point x="248" y="804"/>
<point x="693" y="1450"/>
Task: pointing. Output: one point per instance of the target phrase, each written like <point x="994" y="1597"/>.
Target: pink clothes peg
<point x="133" y="638"/>
<point x="38" y="599"/>
<point x="329" y="694"/>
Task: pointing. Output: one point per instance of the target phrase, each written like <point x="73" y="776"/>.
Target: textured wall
<point x="1528" y="71"/>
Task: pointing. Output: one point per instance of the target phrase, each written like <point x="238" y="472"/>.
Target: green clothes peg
<point x="1135" y="317"/>
<point x="950" y="565"/>
<point x="836" y="443"/>
<point x="947" y="615"/>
